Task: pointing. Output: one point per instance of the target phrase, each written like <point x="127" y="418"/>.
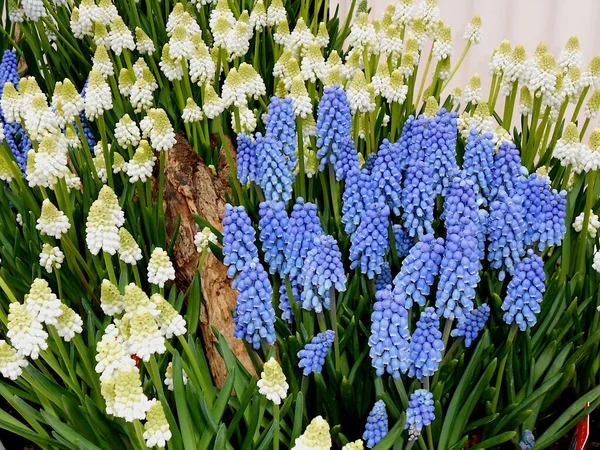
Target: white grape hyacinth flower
<point x="160" y="268"/>
<point x="169" y="377"/>
<point x="145" y="338"/>
<point x="272" y="383"/>
<point x="130" y="402"/>
<point x="592" y="226"/>
<point x="111" y="356"/>
<point x="156" y="428"/>
<point x="51" y="258"/>
<point x="69" y="323"/>
<point x="52" y="222"/>
<point x="26" y="333"/>
<point x="11" y="361"/>
<point x="103" y="223"/>
<point x="42" y="303"/>
<point x="203" y="238"/>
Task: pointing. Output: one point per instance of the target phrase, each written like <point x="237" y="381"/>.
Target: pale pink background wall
<point x="520" y="21"/>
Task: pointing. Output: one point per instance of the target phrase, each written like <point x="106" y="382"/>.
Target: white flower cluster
<point x="160" y="267"/>
<point x="104" y="220"/>
<point x="203" y="238"/>
<point x="592" y="226"/>
<point x="52" y="222"/>
<point x="51" y="258"/>
<point x="272" y="382"/>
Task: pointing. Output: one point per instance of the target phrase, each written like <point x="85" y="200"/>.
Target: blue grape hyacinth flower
<point x="471" y="324"/>
<point x="404" y="242"/>
<point x="527" y="440"/>
<point x="459" y="273"/>
<point x="377" y="424"/>
<point x="254" y="316"/>
<point x="478" y="161"/>
<point x="358" y="195"/>
<point x="386" y="176"/>
<point x="420" y="412"/>
<point x="285" y="306"/>
<point x="389" y="340"/>
<point x="323" y="271"/>
<point x="304" y="226"/>
<point x="8" y="70"/>
<point x="273" y="226"/>
<point x="18" y="142"/>
<point x="246" y="159"/>
<point x="273" y="174"/>
<point x="506" y="233"/>
<point x="370" y="242"/>
<point x="238" y="239"/>
<point x="525" y="292"/>
<point x="426" y="346"/>
<point x="507" y="172"/>
<point x="384" y="279"/>
<point x="280" y="125"/>
<point x="418" y="271"/>
<point x="545" y="212"/>
<point x="312" y="356"/>
<point x="418" y="199"/>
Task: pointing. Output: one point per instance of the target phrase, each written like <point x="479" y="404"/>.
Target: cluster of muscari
<point x="525" y="292"/>
<point x="323" y="272"/>
<point x="254" y="316"/>
<point x="386" y="176"/>
<point x="426" y="345"/>
<point x="334" y="143"/>
<point x="273" y="225"/>
<point x="238" y="239"/>
<point x="377" y="424"/>
<point x="312" y="356"/>
<point x="280" y="125"/>
<point x="545" y="211"/>
<point x="357" y="196"/>
<point x="389" y="340"/>
<point x="15" y="135"/>
<point x="384" y="278"/>
<point x="402" y="240"/>
<point x="419" y="269"/>
<point x="478" y="160"/>
<point x="507" y="171"/>
<point x="418" y="199"/>
<point x="269" y="160"/>
<point x="420" y="412"/>
<point x="370" y="242"/>
<point x="471" y="324"/>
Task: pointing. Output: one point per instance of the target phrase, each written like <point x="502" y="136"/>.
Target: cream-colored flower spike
<point x="593" y="223"/>
<point x="272" y="382"/>
<point x="144" y="44"/>
<point x="160" y="268"/>
<point x="203" y="238"/>
<point x="170" y="322"/>
<point x="473" y="30"/>
<point x="145" y="338"/>
<point x="130" y="402"/>
<point x="129" y="250"/>
<point x="571" y="55"/>
<point x="300" y="100"/>
<point x="103" y="223"/>
<point x="356" y="445"/>
<point x="51" y="258"/>
<point x="120" y="37"/>
<point x="156" y="428"/>
<point x="111" y="300"/>
<point x="162" y="135"/>
<point x="102" y="62"/>
<point x="361" y="96"/>
<point x="11" y="361"/>
<point x="472" y="92"/>
<point x="98" y="96"/>
<point x="141" y="165"/>
<point x="316" y="436"/>
<point x="276" y="13"/>
<point x="25" y="332"/>
<point x="42" y="303"/>
<point x="169" y="377"/>
<point x="68" y="324"/>
<point x="52" y="222"/>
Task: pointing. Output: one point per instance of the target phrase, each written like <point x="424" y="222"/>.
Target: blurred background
<point x="524" y="22"/>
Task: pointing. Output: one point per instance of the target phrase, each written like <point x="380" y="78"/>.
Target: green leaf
<point x="68" y="433"/>
<point x="496" y="440"/>
<point x="393" y="435"/>
<point x="186" y="426"/>
<point x="298" y="415"/>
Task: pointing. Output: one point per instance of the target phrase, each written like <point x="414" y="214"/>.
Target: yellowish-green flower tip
<point x="259" y="7"/>
<point x="301" y="25"/>
<point x="210" y="94"/>
<point x="359" y="82"/>
<point x="313" y="52"/>
<point x="363" y="7"/>
<point x="247" y="72"/>
<point x="281" y="91"/>
<point x="179" y="9"/>
<point x="593" y="103"/>
<point x="445" y="34"/>
<point x="542" y="171"/>
<point x="134" y="297"/>
<point x="456" y="92"/>
<point x="388" y="15"/>
<point x="71" y="135"/>
<point x="292" y="67"/>
<point x="574" y="73"/>
<point x="316" y="435"/>
<point x="411" y="44"/>
<point x="335" y="76"/>
<point x="298" y="87"/>
<point x="445" y="66"/>
<point x="573" y="44"/>
<point x="222" y="6"/>
<point x="311" y="163"/>
<point x="39" y="101"/>
<point x="74" y="15"/>
<point x="540" y="50"/>
<point x="476" y="21"/>
<point x="179" y="33"/>
<point x="594" y="141"/>
<point x="377" y="25"/>
<point x="334" y="59"/>
<point x="126" y="78"/>
<point x="396" y="79"/>
<point x="560" y="81"/>
<point x="323" y="33"/>
<point x="356" y="445"/>
<point x="147" y="76"/>
<point x="140" y="35"/>
<point x="283" y="28"/>
<point x="504" y="47"/>
<point x="418" y="26"/>
<point x="548" y="63"/>
<point x="353" y="60"/>
<point x="9" y="92"/>
<point x="201" y="50"/>
<point x="30" y="161"/>
<point x="519" y="54"/>
<point x="95" y="78"/>
<point x="244" y="17"/>
<point x="482" y="109"/>
<point x="99" y="30"/>
<point x="475" y="82"/>
<point x="285" y="57"/>
<point x="594" y="66"/>
<point x="526" y="99"/>
<point x="101" y="55"/>
<point x="362" y="20"/>
<point x="431" y="107"/>
<point x="571" y="134"/>
<point x="118" y="162"/>
<point x="233" y="78"/>
<point x="117" y="25"/>
<point x="383" y="71"/>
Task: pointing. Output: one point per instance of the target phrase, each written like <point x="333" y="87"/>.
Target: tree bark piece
<point x="192" y="188"/>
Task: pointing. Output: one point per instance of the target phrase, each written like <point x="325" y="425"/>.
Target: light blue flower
<point x="370" y="242"/>
<point x="527" y="440"/>
<point x="273" y="174"/>
<point x="238" y="239"/>
<point x="273" y="226"/>
<point x="507" y="171"/>
<point x="384" y="279"/>
<point x="420" y="412"/>
<point x="478" y="161"/>
<point x="386" y="176"/>
<point x="471" y="324"/>
<point x="377" y="424"/>
<point x="418" y="199"/>
<point x="253" y="316"/>
<point x="246" y="159"/>
<point x="404" y="242"/>
<point x="358" y="195"/>
<point x="280" y="126"/>
<point x="426" y="346"/>
<point x="312" y="356"/>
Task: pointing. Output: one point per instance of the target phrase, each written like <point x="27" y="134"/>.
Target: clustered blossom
<point x="315" y="437"/>
<point x="273" y="227"/>
<point x="377" y="424"/>
<point x="238" y="239"/>
<point x="323" y="273"/>
<point x="51" y="257"/>
<point x="160" y="268"/>
<point x="386" y="176"/>
<point x="370" y="242"/>
<point x="204" y="238"/>
<point x="471" y="324"/>
<point x="156" y="429"/>
<point x="253" y="316"/>
<point x="420" y="412"/>
<point x="25" y="332"/>
<point x="52" y="222"/>
<point x="525" y="292"/>
<point x="129" y="250"/>
<point x="12" y="362"/>
<point x="426" y="345"/>
<point x="384" y="279"/>
<point x="592" y="226"/>
<point x="103" y="223"/>
<point x="312" y="356"/>
<point x="272" y="382"/>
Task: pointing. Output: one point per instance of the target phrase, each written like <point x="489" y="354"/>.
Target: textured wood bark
<point x="192" y="188"/>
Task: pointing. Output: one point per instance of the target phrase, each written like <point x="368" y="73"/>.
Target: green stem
<point x="460" y="60"/>
<point x="579" y="103"/>
<point x="276" y="420"/>
<point x="110" y="268"/>
<point x="500" y="376"/>
<point x="425" y="72"/>
<point x="105" y="151"/>
<point x="301" y="177"/>
<point x="589" y="201"/>
<point x="336" y="340"/>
